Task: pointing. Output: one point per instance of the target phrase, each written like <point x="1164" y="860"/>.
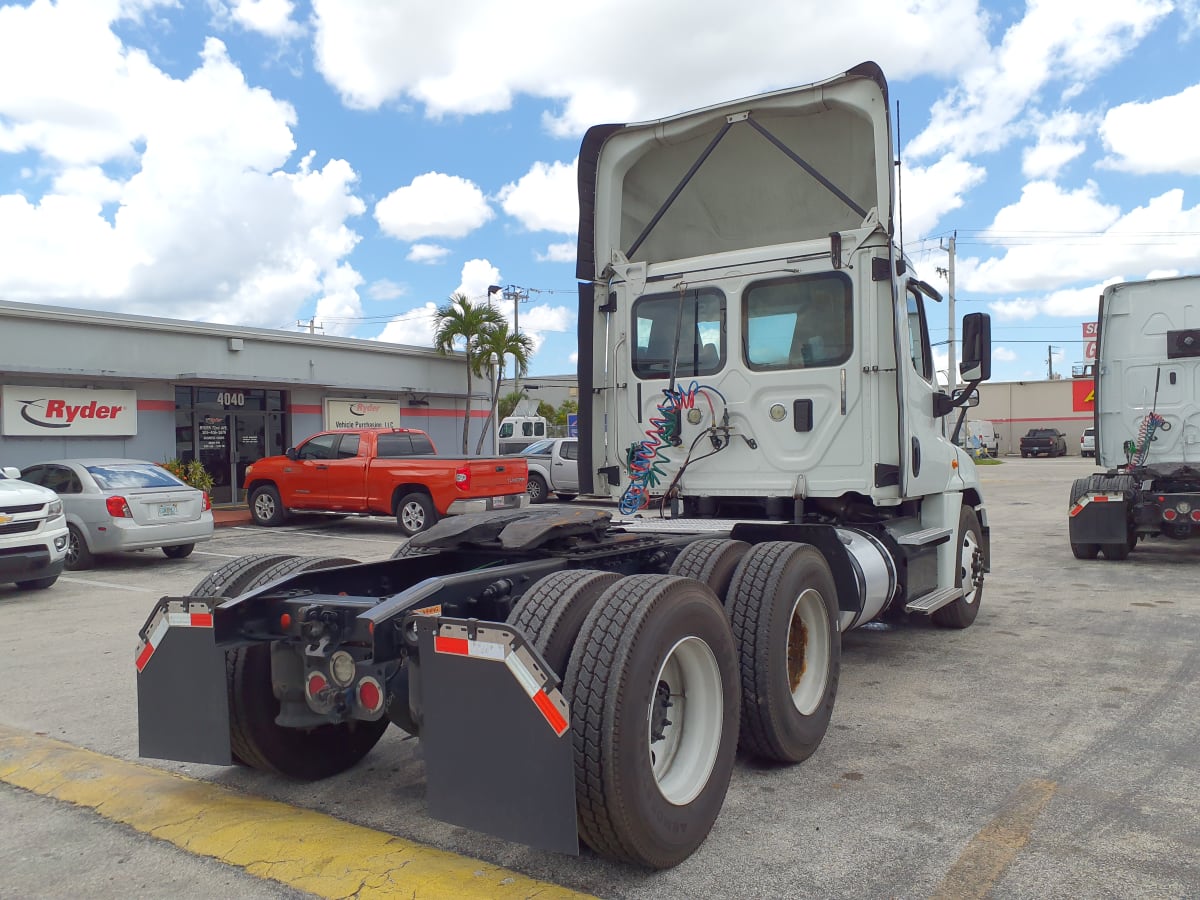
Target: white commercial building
<point x="76" y="383"/>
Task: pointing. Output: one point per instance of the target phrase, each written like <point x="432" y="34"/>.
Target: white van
<point x="980" y="434"/>
<point x="518" y="432"/>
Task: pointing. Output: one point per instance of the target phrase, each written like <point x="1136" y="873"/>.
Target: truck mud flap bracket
<point x="495" y="733"/>
<point x="183" y="704"/>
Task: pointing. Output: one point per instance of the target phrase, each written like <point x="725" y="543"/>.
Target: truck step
<point x="927" y="537"/>
<point x="934" y="600"/>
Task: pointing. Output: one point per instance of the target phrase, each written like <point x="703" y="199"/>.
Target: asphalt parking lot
<point x="1051" y="750"/>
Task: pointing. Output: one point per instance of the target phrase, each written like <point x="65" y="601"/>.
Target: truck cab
<point x="746" y="310"/>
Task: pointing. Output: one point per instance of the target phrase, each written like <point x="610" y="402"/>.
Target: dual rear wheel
<point x="665" y="681"/>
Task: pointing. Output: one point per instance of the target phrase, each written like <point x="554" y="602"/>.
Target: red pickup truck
<point x="381" y="471"/>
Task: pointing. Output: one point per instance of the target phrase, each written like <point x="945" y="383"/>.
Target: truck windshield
<point x="795" y="322"/>
<point x="697" y="317"/>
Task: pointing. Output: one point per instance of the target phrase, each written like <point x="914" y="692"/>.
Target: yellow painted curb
<point x="306" y="850"/>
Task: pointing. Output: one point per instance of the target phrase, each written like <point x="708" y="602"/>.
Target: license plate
<point x="166" y="510"/>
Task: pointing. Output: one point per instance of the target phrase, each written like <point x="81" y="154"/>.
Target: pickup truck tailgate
<point x="496" y="476"/>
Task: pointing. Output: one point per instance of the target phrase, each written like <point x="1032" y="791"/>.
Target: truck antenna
<point x="899" y="182"/>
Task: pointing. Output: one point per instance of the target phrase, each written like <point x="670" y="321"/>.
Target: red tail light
<point x="207" y="502"/>
<point x="1170" y="515"/>
<point x="462" y="477"/>
<point x="118" y="508"/>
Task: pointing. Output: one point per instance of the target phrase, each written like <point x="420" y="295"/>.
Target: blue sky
<point x="354" y="162"/>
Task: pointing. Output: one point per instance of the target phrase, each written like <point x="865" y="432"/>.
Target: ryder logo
<point x="61" y="414"/>
<point x="364" y="409"/>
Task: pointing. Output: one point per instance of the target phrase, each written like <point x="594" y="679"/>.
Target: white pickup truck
<point x="553" y="469"/>
<point x="33" y="532"/>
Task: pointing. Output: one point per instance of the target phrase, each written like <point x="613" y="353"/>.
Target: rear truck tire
<point x="227" y="580"/>
<point x="37" y="584"/>
<point x="415" y="513"/>
<point x="566" y="498"/>
<point x="654" y="711"/>
<point x="302" y="754"/>
<point x="78" y="555"/>
<point x="536" y="488"/>
<point x="266" y="508"/>
<point x="712" y="561"/>
<point x="783" y="610"/>
<point x="179" y="551"/>
<point x="968" y="564"/>
<point x="553" y="610"/>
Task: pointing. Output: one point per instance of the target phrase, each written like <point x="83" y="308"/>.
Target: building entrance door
<point x="232" y="429"/>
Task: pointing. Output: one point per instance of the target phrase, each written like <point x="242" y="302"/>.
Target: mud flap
<point x="1099" y="519"/>
<point x="495" y="734"/>
<point x="183" y="706"/>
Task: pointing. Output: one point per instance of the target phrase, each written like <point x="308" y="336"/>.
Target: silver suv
<point x="1087" y="442"/>
<point x="33" y="532"/>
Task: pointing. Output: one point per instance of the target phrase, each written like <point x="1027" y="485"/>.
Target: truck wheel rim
<point x="970" y="570"/>
<point x="413" y="516"/>
<point x="685" y="719"/>
<point x="808" y="651"/>
<point x="534" y="490"/>
<point x="264" y="506"/>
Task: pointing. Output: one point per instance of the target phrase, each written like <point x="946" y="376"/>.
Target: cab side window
<point x="320" y="447"/>
<point x="918" y="337"/>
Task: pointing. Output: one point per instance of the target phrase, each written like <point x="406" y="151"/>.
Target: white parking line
<point x="324" y="535"/>
<point x="210" y="553"/>
<point x="108" y="584"/>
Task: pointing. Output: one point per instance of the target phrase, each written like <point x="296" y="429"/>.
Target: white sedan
<point x="124" y="504"/>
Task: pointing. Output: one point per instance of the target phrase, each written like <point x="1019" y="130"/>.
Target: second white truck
<point x="1147" y="421"/>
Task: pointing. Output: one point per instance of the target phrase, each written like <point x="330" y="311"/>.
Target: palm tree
<point x="461" y="320"/>
<point x="498" y="339"/>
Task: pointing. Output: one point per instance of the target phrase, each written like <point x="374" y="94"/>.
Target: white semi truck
<point x="1147" y="421"/>
<point x="757" y="394"/>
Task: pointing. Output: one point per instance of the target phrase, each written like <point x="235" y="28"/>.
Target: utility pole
<point x="1050" y="361"/>
<point x="953" y="369"/>
<point x="517" y="295"/>
<point x="311" y="325"/>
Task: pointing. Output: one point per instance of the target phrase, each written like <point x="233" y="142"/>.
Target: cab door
<point x="308" y="476"/>
<point x="565" y="471"/>
<point x="346" y="478"/>
<point x="925" y="452"/>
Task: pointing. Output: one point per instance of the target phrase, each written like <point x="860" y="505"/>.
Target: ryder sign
<point x="67" y="412"/>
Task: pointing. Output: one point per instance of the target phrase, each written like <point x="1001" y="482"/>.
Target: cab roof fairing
<point x="744" y="190"/>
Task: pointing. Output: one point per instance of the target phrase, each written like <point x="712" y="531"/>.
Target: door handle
<point x="321" y="468"/>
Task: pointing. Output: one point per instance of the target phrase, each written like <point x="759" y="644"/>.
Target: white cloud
<point x="545" y="198"/>
<point x="433" y="205"/>
<point x="1055" y="42"/>
<point x="156" y="194"/>
<point x="477" y="276"/>
<point x="1057" y="144"/>
<point x="385" y="289"/>
<point x="1003" y="354"/>
<point x="1159" y="136"/>
<point x="573" y="357"/>
<point x="272" y="18"/>
<point x="558" y="253"/>
<point x="427" y="253"/>
<point x="1013" y="310"/>
<point x="932" y="191"/>
<point x="415" y="327"/>
<point x="466" y="57"/>
<point x="1057" y="238"/>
